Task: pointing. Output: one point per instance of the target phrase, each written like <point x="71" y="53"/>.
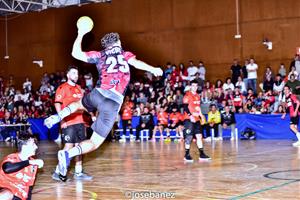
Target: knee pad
<point x="188" y="139"/>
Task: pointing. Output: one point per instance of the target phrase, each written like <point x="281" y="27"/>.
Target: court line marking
<point x="254" y="166"/>
<point x="94" y="195"/>
<point x="269" y="175"/>
<point x="263" y="190"/>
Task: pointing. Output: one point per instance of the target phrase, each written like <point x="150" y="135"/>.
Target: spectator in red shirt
<point x="126" y="116"/>
<point x="162" y="122"/>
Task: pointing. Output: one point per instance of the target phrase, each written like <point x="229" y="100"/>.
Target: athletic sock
<point x="57" y="169"/>
<point x="78" y="169"/>
<point x="199" y="144"/>
<point x="75" y="151"/>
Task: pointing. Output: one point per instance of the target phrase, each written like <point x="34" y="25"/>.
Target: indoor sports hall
<point x="149" y="99"/>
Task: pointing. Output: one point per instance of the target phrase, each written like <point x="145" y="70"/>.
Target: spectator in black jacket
<point x="146" y="122"/>
<point x="227" y="120"/>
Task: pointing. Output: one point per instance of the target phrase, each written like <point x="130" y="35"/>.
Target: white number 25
<point x="113" y="62"/>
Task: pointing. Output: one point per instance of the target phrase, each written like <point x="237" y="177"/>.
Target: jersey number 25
<point x="117" y="64"/>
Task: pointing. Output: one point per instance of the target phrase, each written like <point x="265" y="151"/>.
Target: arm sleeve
<point x="59" y="95"/>
<point x="9" y="167"/>
<point x="29" y="193"/>
<point x="186" y="109"/>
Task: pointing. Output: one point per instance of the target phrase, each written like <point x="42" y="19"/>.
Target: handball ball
<point x="85" y="23"/>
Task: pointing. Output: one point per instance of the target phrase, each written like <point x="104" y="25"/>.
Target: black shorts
<point x="294" y="120"/>
<point x="164" y="126"/>
<point x="173" y="127"/>
<point x="191" y="128"/>
<point x="107" y="108"/>
<point x="74" y="133"/>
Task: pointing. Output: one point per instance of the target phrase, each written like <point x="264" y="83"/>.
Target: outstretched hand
<point x="38" y="162"/>
<point x="157" y="71"/>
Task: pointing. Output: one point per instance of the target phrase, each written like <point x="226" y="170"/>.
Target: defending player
<point x="292" y="106"/>
<point x="18" y="171"/>
<point x="192" y="126"/>
<point x="73" y="127"/>
<point x="114" y="75"/>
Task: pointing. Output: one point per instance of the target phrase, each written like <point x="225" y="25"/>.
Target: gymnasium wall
<point x="157" y="31"/>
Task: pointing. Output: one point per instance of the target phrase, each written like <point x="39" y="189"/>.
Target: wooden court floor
<point x="264" y="169"/>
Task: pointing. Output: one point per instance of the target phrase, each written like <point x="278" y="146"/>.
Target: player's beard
<point x="73" y="80"/>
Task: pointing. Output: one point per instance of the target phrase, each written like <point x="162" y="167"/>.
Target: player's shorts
<point x="180" y="123"/>
<point x="74" y="133"/>
<point x="107" y="111"/>
<point x="294" y="120"/>
<point x="164" y="126"/>
<point x="191" y="128"/>
<point x="173" y="127"/>
<point x="127" y="122"/>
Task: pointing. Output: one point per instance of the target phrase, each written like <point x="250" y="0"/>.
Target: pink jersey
<point x="112" y="65"/>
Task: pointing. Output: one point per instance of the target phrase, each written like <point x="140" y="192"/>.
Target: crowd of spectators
<point x="19" y="104"/>
<point x="240" y="92"/>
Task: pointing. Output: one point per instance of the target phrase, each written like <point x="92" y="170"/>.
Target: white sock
<point x="199" y="144"/>
<point x="78" y="169"/>
<point x="187" y="146"/>
<point x="75" y="151"/>
<point x="57" y="169"/>
<point x="298" y="136"/>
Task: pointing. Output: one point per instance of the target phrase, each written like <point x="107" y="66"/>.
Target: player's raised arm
<point x="156" y="71"/>
<point x="84" y="25"/>
<point x="77" y="51"/>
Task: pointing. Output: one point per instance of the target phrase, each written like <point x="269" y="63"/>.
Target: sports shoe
<point x="63" y="162"/>
<point x="296" y="144"/>
<point x="82" y="176"/>
<point x="52" y="120"/>
<point x="55" y="176"/>
<point x="188" y="158"/>
<point x="203" y="156"/>
<point x="132" y="138"/>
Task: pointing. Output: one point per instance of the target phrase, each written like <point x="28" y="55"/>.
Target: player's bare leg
<point x="84" y="147"/>
<point x="202" y="155"/>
